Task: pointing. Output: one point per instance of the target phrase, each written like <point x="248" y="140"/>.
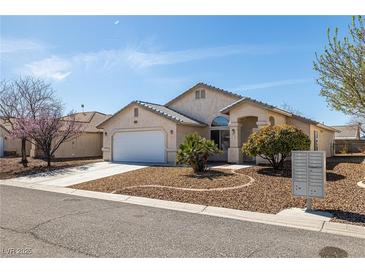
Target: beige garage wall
<point x="86" y="145"/>
<point x="13" y="145"/>
<point x="146" y="120"/>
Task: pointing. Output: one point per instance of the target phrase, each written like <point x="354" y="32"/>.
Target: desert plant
<point x="274" y="143"/>
<point x="195" y="150"/>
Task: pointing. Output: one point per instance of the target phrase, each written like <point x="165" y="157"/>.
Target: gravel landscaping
<point x="11" y="167"/>
<point x="269" y="193"/>
<point x="179" y="177"/>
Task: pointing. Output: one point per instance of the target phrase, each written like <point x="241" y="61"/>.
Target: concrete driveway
<point x="75" y="175"/>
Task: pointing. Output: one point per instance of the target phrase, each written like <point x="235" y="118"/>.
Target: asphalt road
<point x="45" y="224"/>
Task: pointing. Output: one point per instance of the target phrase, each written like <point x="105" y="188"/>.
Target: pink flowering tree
<point x="24" y="98"/>
<point x="48" y="130"/>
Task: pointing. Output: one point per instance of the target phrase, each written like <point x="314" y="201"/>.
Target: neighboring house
<point x="347" y="132"/>
<point x="88" y="144"/>
<point x="348" y="140"/>
<point x="10" y="146"/>
<point x="148" y="132"/>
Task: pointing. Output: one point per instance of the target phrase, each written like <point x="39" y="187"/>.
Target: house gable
<point x="203" y="109"/>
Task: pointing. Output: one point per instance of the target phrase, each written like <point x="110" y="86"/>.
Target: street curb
<point x="257" y="217"/>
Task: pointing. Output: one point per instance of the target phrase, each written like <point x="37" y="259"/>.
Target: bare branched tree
<point x="48" y="130"/>
<point x="25" y="98"/>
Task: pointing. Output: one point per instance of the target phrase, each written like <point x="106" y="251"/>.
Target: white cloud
<point x="265" y="85"/>
<point x="116" y="22"/>
<point x="148" y="59"/>
<point x="58" y="68"/>
<point x="11" y="45"/>
<point x="54" y="68"/>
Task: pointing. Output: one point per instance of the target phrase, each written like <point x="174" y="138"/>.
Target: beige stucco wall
<point x="182" y="131"/>
<point x="146" y="120"/>
<point x="86" y="145"/>
<point x="204" y="110"/>
<point x="13" y="145"/>
<point x="279" y="119"/>
<point x="236" y="115"/>
<point x="248" y="109"/>
<point x="305" y="127"/>
<point x="325" y="139"/>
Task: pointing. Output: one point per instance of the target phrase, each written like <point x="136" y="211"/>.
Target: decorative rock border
<point x="361" y="184"/>
<point x="196" y="189"/>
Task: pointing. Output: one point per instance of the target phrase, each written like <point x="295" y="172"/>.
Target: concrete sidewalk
<point x="293" y="218"/>
<point x="75" y="175"/>
<point x="53" y="225"/>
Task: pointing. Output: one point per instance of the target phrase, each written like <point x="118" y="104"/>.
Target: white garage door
<point x="139" y="146"/>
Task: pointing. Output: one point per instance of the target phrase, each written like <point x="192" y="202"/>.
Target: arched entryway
<point x="247" y="126"/>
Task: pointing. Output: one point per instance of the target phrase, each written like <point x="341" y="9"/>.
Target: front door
<point x="221" y="138"/>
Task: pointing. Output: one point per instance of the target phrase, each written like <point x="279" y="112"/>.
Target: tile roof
<point x="347" y="132"/>
<point x="276" y="109"/>
<point x="170" y="114"/>
<point x="90" y="119"/>
<point x="163" y="111"/>
<point x="198" y="85"/>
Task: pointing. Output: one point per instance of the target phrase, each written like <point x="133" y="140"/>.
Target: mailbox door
<point x="316" y="174"/>
<point x="299" y="173"/>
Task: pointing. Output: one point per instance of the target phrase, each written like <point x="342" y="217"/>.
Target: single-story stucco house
<point x="88" y="144"/>
<point x="148" y="132"/>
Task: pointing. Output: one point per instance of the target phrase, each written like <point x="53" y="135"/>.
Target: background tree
<point x="25" y="98"/>
<point x="195" y="152"/>
<point x="275" y="143"/>
<point x="341" y="69"/>
<point x="48" y="130"/>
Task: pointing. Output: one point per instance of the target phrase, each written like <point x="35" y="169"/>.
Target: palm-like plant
<point x="195" y="152"/>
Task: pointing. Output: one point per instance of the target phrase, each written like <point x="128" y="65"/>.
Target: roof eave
<point x="327" y="127"/>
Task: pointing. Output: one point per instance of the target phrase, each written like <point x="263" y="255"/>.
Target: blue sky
<point x="104" y="62"/>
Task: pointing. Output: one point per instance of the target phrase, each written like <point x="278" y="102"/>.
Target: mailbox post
<point x="308" y="174"/>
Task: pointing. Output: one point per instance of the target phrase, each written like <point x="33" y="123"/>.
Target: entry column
<point x="234" y="150"/>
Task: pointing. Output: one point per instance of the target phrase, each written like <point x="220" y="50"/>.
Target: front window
<point x="220" y="132"/>
<point x="200" y="94"/>
<point x="220" y="121"/>
<point x="272" y="121"/>
<point x="221" y="138"/>
<point x="315" y="139"/>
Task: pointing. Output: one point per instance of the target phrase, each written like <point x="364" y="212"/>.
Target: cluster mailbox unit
<point x="308" y="174"/>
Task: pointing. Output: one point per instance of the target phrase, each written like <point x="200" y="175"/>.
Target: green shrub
<point x="274" y="143"/>
<point x="195" y="152"/>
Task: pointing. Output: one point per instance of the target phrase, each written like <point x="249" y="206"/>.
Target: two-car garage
<point x="148" y="146"/>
